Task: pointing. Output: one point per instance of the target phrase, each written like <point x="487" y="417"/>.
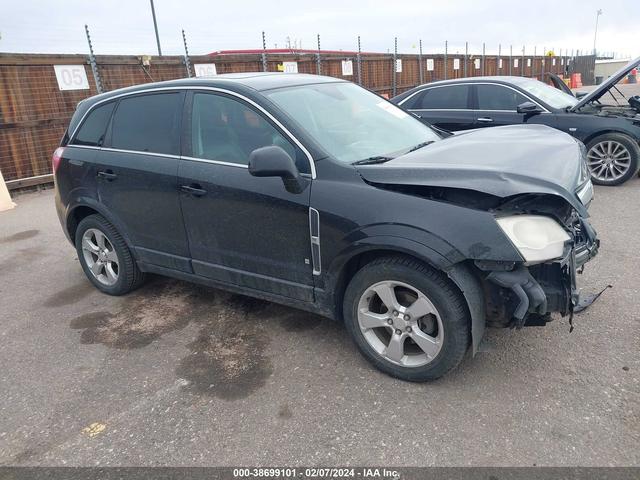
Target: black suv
<point x="316" y="193"/>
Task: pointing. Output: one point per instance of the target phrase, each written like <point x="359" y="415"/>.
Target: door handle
<point x="195" y="190"/>
<point x="485" y="119"/>
<point x="107" y="175"/>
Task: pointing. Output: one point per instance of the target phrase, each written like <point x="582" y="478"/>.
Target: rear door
<point x="496" y="105"/>
<point x="242" y="229"/>
<point x="446" y="106"/>
<point x="137" y="170"/>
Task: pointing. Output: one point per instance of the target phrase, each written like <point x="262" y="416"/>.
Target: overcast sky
<point x="126" y="27"/>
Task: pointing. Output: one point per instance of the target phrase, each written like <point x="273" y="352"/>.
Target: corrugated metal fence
<point x="34" y="111"/>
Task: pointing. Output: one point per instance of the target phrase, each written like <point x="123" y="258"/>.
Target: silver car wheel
<point x="400" y="323"/>
<point x="608" y="160"/>
<point x="100" y="256"/>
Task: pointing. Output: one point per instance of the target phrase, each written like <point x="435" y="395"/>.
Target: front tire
<point x="612" y="158"/>
<point x="105" y="257"/>
<point x="407" y="319"/>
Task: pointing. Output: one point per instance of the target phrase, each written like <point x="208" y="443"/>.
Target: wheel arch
<point x="619" y="131"/>
<point x="81" y="210"/>
<point x="460" y="274"/>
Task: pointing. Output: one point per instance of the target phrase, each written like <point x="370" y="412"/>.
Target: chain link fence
<point x="36" y="106"/>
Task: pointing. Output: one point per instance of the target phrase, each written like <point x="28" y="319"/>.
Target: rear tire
<point x="105" y="257"/>
<point x="612" y="158"/>
<point x="422" y="334"/>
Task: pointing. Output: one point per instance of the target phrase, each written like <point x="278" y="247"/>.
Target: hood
<point x="500" y="161"/>
<point x="606" y="85"/>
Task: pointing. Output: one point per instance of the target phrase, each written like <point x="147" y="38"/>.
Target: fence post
<point x="522" y="67"/>
<point x="358" y="63"/>
<point x="264" y="53"/>
<point x="395" y="59"/>
<point x="466" y="57"/>
<point x="92" y="61"/>
<point x="187" y="62"/>
<point x="499" y="59"/>
<point x="420" y="73"/>
<point x="483" y="58"/>
<point x="318" y="61"/>
<point x="570" y="70"/>
<point x="446" y="47"/>
<point x="510" y="60"/>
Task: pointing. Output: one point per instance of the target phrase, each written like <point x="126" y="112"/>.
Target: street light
<point x="155" y="27"/>
<point x="595" y="35"/>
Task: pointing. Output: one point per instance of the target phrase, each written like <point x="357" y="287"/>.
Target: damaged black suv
<point x="313" y="192"/>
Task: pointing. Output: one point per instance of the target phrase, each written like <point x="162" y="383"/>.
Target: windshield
<point x="351" y="123"/>
<point x="550" y="95"/>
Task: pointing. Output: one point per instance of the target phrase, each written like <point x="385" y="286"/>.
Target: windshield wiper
<point x="372" y="160"/>
<point x="420" y="145"/>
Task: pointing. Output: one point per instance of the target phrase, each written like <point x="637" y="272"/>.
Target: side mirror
<point x="581" y="94"/>
<point x="528" y="107"/>
<point x="273" y="161"/>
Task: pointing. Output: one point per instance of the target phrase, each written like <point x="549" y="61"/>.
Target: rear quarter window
<point x="93" y="128"/>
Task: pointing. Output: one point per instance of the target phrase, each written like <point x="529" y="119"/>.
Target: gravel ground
<point x="177" y="374"/>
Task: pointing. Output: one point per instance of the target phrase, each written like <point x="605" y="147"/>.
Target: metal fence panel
<point x="34" y="112"/>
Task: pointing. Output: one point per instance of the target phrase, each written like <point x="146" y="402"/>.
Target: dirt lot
<point x="177" y="374"/>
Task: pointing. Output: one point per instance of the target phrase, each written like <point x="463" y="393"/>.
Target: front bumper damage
<point x="519" y="295"/>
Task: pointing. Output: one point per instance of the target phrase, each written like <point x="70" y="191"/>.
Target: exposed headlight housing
<point x="538" y="238"/>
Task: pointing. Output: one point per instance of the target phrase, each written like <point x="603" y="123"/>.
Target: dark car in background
<point x="315" y="193"/>
<point x="611" y="132"/>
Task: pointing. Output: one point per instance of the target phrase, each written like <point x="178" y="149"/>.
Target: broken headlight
<point x="537" y="238"/>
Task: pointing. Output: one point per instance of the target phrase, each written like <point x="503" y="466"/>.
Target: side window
<point x="445" y="98"/>
<point x="93" y="128"/>
<point x="148" y="123"/>
<point x="228" y="130"/>
<point x="496" y="97"/>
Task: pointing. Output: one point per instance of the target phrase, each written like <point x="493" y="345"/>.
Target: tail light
<point x="57" y="156"/>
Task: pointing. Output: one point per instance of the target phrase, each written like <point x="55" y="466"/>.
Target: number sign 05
<point x="71" y="77"/>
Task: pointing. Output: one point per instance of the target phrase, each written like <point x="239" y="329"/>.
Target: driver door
<point x="242" y="229"/>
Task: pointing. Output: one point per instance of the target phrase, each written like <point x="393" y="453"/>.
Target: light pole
<point x="155" y="27"/>
<point x="595" y="35"/>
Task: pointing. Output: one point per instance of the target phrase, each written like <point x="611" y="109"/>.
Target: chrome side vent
<point x="314" y="230"/>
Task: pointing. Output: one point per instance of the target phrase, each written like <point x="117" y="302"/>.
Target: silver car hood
<point x="606" y="85"/>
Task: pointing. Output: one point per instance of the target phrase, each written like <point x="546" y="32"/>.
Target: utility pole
<point x="155" y="26"/>
<point x="595" y="35"/>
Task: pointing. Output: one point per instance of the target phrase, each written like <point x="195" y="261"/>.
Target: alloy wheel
<point x="400" y="323"/>
<point x="608" y="160"/>
<point x="100" y="256"/>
